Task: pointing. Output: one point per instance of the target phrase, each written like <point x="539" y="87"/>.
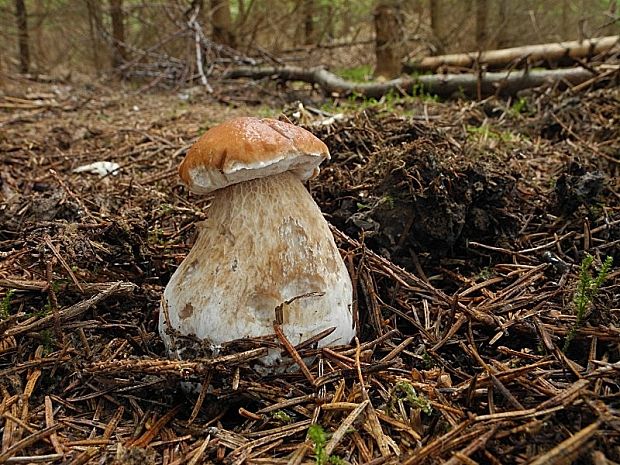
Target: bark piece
<point x="549" y="52"/>
<point x="502" y="83"/>
<point x="118" y="33"/>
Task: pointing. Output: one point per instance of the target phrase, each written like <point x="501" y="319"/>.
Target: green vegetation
<point x="46" y="310"/>
<point x="418" y="91"/>
<point x="391" y="102"/>
<point x="519" y="106"/>
<point x="166" y="208"/>
<point x="485" y="273"/>
<point x="360" y="73"/>
<point x="428" y="360"/>
<point x="282" y="416"/>
<point x="389" y="199"/>
<point x="265" y="111"/>
<point x="317" y="435"/>
<point x="156" y="236"/>
<point x="486" y="132"/>
<point x="5" y="304"/>
<point x="413" y="398"/>
<point x="587" y="289"/>
<point x="56" y="286"/>
<point x="48" y="341"/>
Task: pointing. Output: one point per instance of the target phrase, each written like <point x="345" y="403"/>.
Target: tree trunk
<point x="118" y="33"/>
<point x="502" y="37"/>
<point x="308" y="18"/>
<point x="36" y="29"/>
<point x="22" y="36"/>
<point x="222" y="23"/>
<point x="437" y="25"/>
<point x="387" y="39"/>
<point x="1" y="68"/>
<point x="330" y="29"/>
<point x="481" y="24"/>
<point x="565" y="15"/>
<point x="612" y="12"/>
<point x="94" y="28"/>
<point x="347" y="23"/>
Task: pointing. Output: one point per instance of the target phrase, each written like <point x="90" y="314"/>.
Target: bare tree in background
<point x="481" y="24"/>
<point x="308" y="19"/>
<point x="118" y="32"/>
<point x="92" y="35"/>
<point x="347" y="23"/>
<point x="437" y="25"/>
<point x="565" y="15"/>
<point x="94" y="28"/>
<point x="502" y="20"/>
<point x="388" y="49"/>
<point x="612" y="12"/>
<point x="2" y="71"/>
<point x="22" y="35"/>
<point x="222" y="23"/>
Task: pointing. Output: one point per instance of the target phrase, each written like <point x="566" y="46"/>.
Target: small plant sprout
<point x="317" y="435"/>
<point x="357" y="73"/>
<point x="413" y="398"/>
<point x="282" y="416"/>
<point x="166" y="208"/>
<point x="587" y="289"/>
<point x="5" y="304"/>
<point x="48" y="341"/>
<point x="519" y="106"/>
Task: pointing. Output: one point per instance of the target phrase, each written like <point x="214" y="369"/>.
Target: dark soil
<point x="430" y="189"/>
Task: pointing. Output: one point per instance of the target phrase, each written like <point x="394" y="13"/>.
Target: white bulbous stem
<point x="265" y="243"/>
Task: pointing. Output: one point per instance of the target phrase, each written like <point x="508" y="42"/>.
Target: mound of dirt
<point x="410" y="189"/>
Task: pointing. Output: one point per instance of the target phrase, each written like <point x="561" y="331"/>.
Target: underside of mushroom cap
<point x="249" y="148"/>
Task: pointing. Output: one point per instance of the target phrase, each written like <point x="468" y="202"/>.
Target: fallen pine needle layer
<point x="463" y="225"/>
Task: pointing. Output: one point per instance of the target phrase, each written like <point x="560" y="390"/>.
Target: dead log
<point x="443" y="85"/>
<point x="533" y="53"/>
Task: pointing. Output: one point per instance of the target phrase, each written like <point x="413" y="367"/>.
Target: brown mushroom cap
<point x="248" y="148"/>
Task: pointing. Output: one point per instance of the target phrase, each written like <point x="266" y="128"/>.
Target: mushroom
<point x="265" y="246"/>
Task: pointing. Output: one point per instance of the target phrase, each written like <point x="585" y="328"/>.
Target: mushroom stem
<point x="264" y="246"/>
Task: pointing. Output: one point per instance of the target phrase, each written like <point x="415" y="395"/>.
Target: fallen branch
<point x="42" y="286"/>
<point x="534" y="53"/>
<point x="70" y="312"/>
<point x="181" y="368"/>
<point x="504" y="83"/>
<point x="570" y="448"/>
<point x="198" y="37"/>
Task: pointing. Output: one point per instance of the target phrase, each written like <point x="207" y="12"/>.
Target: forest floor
<point x="467" y="227"/>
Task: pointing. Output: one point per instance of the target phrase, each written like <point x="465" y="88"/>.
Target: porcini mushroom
<point x="265" y="245"/>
